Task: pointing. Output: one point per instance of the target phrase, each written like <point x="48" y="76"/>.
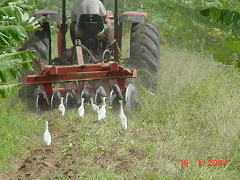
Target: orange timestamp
<point x="210" y="162"/>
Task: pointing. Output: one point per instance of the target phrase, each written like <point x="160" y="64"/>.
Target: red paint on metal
<point x="114" y="66"/>
<point x="134" y="73"/>
<point x="138" y="13"/>
<point x="122" y="85"/>
<point x="68" y="77"/>
<point x="111" y="71"/>
<point x="52" y="70"/>
<point x="48" y="89"/>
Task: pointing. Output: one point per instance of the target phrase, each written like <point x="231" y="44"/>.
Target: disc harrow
<point x="82" y="81"/>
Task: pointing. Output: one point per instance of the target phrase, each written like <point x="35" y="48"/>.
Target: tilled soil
<point x="61" y="156"/>
<point x="44" y="160"/>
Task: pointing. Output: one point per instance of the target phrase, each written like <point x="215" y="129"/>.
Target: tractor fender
<point x="133" y="16"/>
<point x="48" y="15"/>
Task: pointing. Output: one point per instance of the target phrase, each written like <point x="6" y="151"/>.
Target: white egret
<point x="102" y="111"/>
<point x="61" y="107"/>
<point x="81" y="109"/>
<point x="122" y="118"/>
<point x="94" y="106"/>
<point x="47" y="136"/>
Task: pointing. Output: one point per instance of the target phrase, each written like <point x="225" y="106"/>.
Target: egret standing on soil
<point x="102" y="110"/>
<point x="61" y="107"/>
<point x="81" y="109"/>
<point x="47" y="136"/>
<point x="122" y="118"/>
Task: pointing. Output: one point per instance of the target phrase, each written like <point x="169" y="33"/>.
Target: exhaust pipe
<point x="116" y="20"/>
<point x="116" y="31"/>
<point x="64" y="56"/>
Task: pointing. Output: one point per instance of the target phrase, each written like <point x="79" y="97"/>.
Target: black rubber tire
<point x="144" y="52"/>
<point x="41" y="42"/>
<point x="32" y="92"/>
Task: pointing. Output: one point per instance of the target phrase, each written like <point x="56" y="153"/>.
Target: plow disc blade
<point x="100" y="93"/>
<point x="85" y="94"/>
<point x="115" y="96"/>
<point x="71" y="99"/>
<point x="55" y="100"/>
<point x="130" y="98"/>
<point x="42" y="103"/>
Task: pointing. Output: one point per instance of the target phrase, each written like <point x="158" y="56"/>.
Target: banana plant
<point x="14" y="24"/>
<point x="181" y="23"/>
<point x="229" y="18"/>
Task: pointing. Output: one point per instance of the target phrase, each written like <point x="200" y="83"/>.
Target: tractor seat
<point x="91" y="24"/>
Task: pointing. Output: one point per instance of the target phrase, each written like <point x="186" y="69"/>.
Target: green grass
<point x="17" y="128"/>
<point x="194" y="114"/>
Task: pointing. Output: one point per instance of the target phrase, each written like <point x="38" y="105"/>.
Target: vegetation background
<point x="194" y="113"/>
<point x="207" y="26"/>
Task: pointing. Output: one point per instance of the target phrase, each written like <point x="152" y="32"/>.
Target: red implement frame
<point x="73" y="73"/>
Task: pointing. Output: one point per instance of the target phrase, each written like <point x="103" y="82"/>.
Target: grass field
<point x="194" y="114"/>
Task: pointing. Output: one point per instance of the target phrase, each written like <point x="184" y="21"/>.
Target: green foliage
<point x="229" y="18"/>
<point x="9" y="33"/>
<point x="12" y="68"/>
<point x="55" y="5"/>
<point x="16" y="128"/>
<point x="209" y="26"/>
<point x="224" y="16"/>
<point x="14" y="24"/>
<point x="27" y="55"/>
<point x="12" y="65"/>
<point x="6" y="90"/>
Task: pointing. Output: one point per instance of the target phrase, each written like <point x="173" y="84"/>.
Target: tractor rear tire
<point x="40" y="41"/>
<point x="144" y="52"/>
<point x="32" y="92"/>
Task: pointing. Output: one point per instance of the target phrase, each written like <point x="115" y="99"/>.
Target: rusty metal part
<point x="80" y="60"/>
<point x="111" y="71"/>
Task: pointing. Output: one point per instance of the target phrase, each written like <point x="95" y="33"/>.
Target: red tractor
<point x="91" y="67"/>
